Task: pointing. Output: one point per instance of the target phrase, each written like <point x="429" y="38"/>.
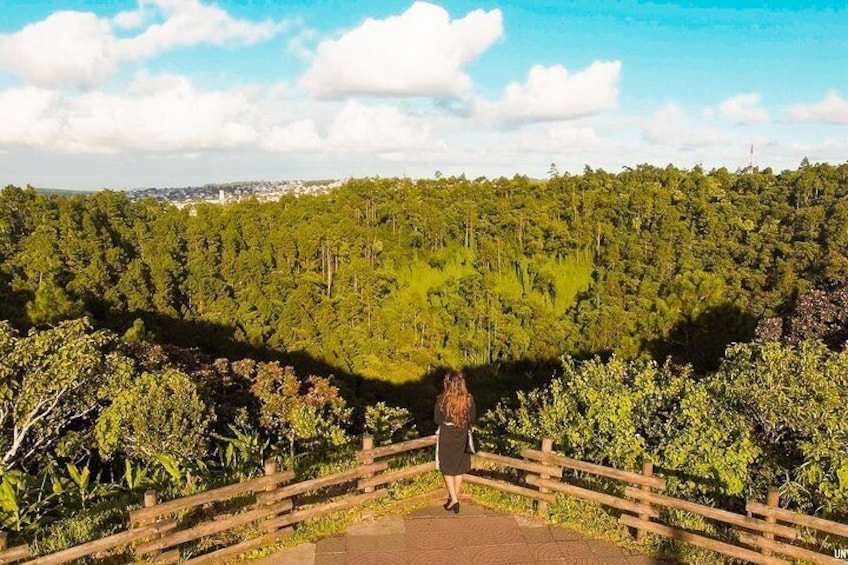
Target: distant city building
<point x="263" y="191"/>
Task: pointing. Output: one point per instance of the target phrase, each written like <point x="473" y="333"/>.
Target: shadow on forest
<point x="488" y="383"/>
<point x="702" y="341"/>
<point x="13" y="302"/>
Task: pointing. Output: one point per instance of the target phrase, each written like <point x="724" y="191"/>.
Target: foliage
<point x="106" y="517"/>
<point x="387" y="278"/>
<point x="156" y="415"/>
<point x="50" y="381"/>
<point x="622" y="412"/>
<point x="23" y="506"/>
<point x="818" y="314"/>
<point x="306" y="414"/>
<point x="388" y="424"/>
<point x="242" y="454"/>
<point x="795" y="395"/>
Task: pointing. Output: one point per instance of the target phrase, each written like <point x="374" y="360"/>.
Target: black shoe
<point x="455" y="508"/>
<point x="446" y="505"/>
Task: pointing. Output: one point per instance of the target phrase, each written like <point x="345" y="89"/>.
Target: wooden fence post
<point x="270" y="469"/>
<point x="542" y="508"/>
<point x="772" y="499"/>
<point x="367" y="444"/>
<point x="4" y="541"/>
<point x="150" y="500"/>
<point x="647" y="471"/>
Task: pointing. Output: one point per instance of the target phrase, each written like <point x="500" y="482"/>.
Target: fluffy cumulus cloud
<point x="832" y="110"/>
<point x="82" y="49"/>
<point x="156" y="114"/>
<point x="743" y="109"/>
<point x="552" y="93"/>
<point x="66" y="48"/>
<point x="671" y="127"/>
<point x="421" y="52"/>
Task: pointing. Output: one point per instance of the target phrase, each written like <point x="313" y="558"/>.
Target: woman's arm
<point x="472" y="412"/>
<point x="438" y="417"/>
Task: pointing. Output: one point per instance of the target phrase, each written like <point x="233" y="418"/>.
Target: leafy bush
<point x="157" y="415"/>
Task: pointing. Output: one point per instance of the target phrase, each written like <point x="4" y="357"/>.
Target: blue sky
<point x="125" y="94"/>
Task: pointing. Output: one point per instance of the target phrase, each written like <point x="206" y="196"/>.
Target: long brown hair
<point x="456" y="401"/>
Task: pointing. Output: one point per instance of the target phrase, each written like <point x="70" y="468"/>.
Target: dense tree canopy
<point x="388" y="278"/>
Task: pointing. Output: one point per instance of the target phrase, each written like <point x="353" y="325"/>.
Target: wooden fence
<point x="767" y="534"/>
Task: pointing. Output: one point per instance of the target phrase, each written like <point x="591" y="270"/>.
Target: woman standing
<point x="454" y="413"/>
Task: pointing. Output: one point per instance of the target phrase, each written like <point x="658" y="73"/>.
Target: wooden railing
<point x="641" y="505"/>
<point x="157" y="531"/>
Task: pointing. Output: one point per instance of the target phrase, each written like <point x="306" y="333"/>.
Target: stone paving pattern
<point x="475" y="536"/>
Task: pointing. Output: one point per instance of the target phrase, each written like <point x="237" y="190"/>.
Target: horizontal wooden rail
<point x="316" y="511"/>
<point x="520" y="464"/>
<point x="167" y="558"/>
<point x="785" y="515"/>
<point x="712" y="513"/>
<point x="320" y="482"/>
<point x="214" y="527"/>
<point x="14" y="554"/>
<point x="398" y="475"/>
<point x="509" y="488"/>
<point x="701" y="541"/>
<point x="594" y="496"/>
<point x="790" y="550"/>
<point x="239" y="548"/>
<point x="593" y="468"/>
<point x="103" y="544"/>
<point x="395" y="448"/>
<point x="214" y="495"/>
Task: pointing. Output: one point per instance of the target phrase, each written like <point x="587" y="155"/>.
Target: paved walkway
<point x="475" y="536"/>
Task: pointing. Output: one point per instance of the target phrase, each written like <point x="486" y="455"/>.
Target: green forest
<point x="695" y="317"/>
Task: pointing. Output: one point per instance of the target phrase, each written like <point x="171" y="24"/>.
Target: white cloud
<point x="190" y="22"/>
<point x="742" y="109"/>
<point x="66" y="48"/>
<point x="832" y="110"/>
<point x="555" y="139"/>
<point x="25" y="115"/>
<point x="167" y="113"/>
<point x="419" y="53"/>
<point x="156" y="114"/>
<point x="552" y="93"/>
<point x="81" y="49"/>
<point x="299" y="135"/>
<point x="297" y="45"/>
<point x="362" y="128"/>
<point x="670" y="126"/>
